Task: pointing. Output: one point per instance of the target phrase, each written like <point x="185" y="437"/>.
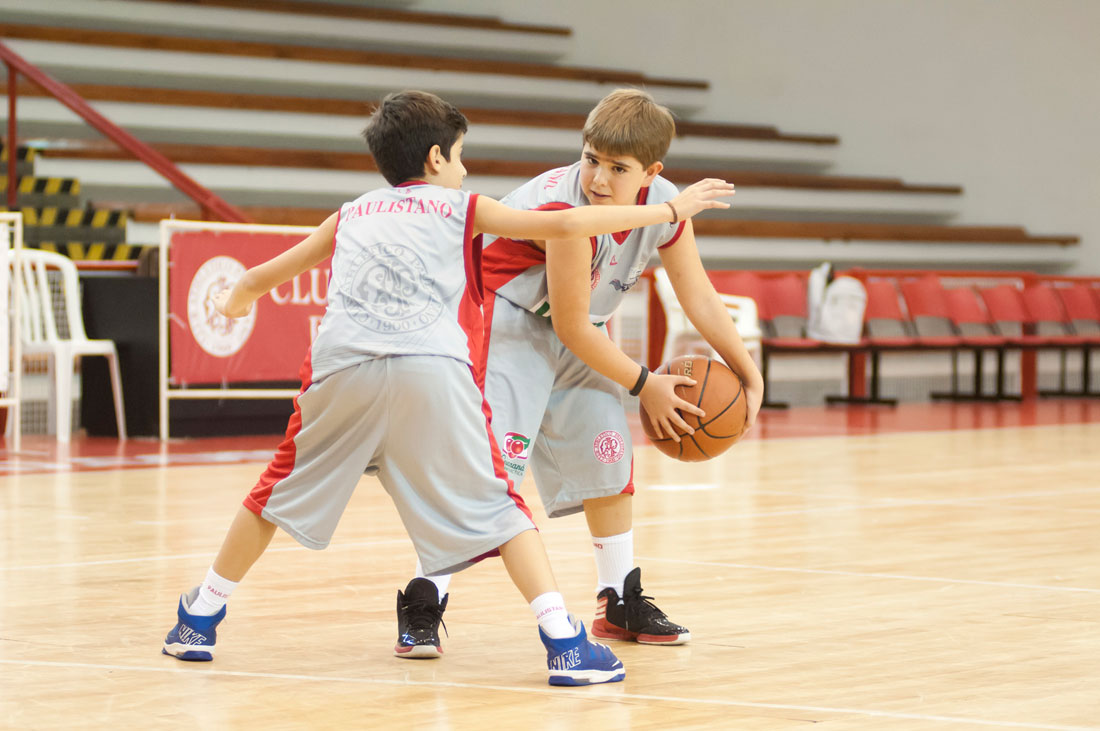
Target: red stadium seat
<point x="1081" y="309"/>
<point x="953" y="319"/>
<point x="1070" y="317"/>
<point x="928" y="311"/>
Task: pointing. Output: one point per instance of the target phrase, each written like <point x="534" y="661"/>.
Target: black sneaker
<point x="419" y="614"/>
<point x="634" y="617"/>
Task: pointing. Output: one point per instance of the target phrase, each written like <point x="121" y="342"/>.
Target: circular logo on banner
<point x="609" y="447"/>
<point x="390" y="290"/>
<point x="217" y="334"/>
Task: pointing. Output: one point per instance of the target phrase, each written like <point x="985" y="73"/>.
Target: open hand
<point x="664" y="407"/>
<point x="702" y="195"/>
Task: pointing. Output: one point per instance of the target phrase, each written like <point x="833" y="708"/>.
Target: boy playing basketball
<point x="398" y="340"/>
<point x="556" y="384"/>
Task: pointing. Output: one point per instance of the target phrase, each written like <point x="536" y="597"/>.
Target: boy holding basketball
<point x="392" y="367"/>
<point x="555" y="381"/>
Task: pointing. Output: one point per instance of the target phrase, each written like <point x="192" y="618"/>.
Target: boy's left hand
<point x="700" y="196"/>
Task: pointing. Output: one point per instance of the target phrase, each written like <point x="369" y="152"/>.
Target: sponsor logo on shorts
<point x="515" y="446"/>
<point x="217" y="334"/>
<point x="609" y="447"/>
<point x="517" y="469"/>
<point x="390" y="291"/>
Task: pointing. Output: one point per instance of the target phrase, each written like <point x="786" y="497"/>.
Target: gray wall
<point x="1000" y="96"/>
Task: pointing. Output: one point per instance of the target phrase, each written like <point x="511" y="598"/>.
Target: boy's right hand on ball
<point x="664" y="406"/>
<point x="702" y="195"/>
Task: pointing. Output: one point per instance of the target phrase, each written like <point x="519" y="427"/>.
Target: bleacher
<point x="264" y="108"/>
<point x="264" y="105"/>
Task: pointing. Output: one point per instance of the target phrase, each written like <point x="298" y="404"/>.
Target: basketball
<point x="717" y="391"/>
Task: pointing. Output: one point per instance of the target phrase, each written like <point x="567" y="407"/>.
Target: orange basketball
<point x="717" y="391"/>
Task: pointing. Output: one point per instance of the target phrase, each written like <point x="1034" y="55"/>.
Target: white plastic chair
<point x="41" y="337"/>
<point x="682" y="337"/>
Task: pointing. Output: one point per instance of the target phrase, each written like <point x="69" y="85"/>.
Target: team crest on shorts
<point x="390" y="290"/>
<point x="515" y="445"/>
<point x="218" y="335"/>
<point x="609" y="447"/>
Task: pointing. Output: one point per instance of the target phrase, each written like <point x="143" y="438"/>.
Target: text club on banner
<point x="270" y="343"/>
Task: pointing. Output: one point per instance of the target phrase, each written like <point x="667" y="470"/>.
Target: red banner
<point x="267" y="345"/>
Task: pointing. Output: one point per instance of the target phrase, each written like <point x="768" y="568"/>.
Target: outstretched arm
<point x="709" y="316"/>
<point x="493" y="217"/>
<point x="303" y="256"/>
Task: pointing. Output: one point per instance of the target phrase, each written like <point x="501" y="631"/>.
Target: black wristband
<point x="640" y="382"/>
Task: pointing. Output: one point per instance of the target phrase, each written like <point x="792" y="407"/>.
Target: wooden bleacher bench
<point x="361" y="108"/>
<point x="857" y="231"/>
<point x="360" y="12"/>
<point x="347" y="56"/>
<point x="339" y="160"/>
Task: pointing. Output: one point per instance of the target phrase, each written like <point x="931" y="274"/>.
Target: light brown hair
<point x="630" y="122"/>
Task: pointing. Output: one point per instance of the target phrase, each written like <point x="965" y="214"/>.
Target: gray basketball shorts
<point x="418" y="423"/>
<point x="553" y="412"/>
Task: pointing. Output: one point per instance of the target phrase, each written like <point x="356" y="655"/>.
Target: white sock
<point x="213" y="594"/>
<point x="614" y="560"/>
<point x="441" y="582"/>
<point x="549" y="609"/>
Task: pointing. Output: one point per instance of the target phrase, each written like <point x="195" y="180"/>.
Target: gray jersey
<point x="406" y="278"/>
<point x="389" y="387"/>
<point x="516" y="269"/>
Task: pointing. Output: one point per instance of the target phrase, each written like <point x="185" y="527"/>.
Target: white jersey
<point x="516" y="270"/>
<point x="406" y="279"/>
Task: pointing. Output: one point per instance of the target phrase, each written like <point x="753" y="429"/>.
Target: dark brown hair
<point x="404" y="128"/>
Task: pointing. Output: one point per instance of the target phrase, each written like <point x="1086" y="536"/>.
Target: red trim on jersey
<point x="282" y="464"/>
<point x="629" y="489"/>
<point x="407" y="183"/>
<point x="471" y="254"/>
<point x="675" y="237"/>
<point x="335" y="231"/>
<point x="506" y="258"/>
<point x="620" y="238"/>
<point x="482" y="363"/>
<point x="472" y="321"/>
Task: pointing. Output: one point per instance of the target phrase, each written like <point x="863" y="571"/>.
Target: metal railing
<point x="212" y="206"/>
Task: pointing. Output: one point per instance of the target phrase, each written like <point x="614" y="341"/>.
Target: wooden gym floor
<point x="925" y="567"/>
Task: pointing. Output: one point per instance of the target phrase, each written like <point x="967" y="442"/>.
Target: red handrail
<point x="209" y="202"/>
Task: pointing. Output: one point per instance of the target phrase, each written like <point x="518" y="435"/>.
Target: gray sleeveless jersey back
<point x="406" y="278"/>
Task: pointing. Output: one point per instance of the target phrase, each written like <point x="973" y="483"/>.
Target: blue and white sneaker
<point x="576" y="661"/>
<point x="193" y="637"/>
